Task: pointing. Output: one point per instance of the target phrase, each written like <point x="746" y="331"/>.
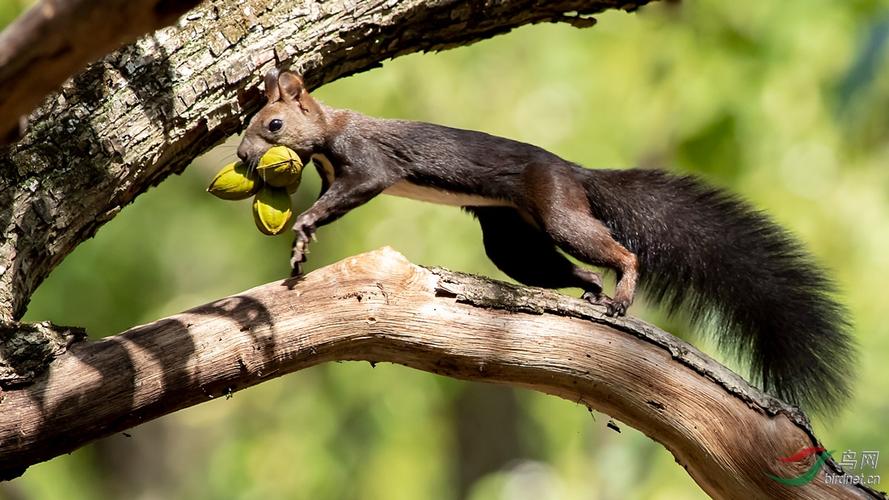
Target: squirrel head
<point x="290" y="117"/>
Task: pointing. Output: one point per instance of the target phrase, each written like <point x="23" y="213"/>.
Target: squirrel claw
<point x="297" y="257"/>
<point x="616" y="308"/>
<point x="304" y="229"/>
<point x="596" y="298"/>
<point x="296" y="269"/>
<point x="301" y="247"/>
<point x="304" y="234"/>
<point x="296" y="261"/>
<point x="612" y="307"/>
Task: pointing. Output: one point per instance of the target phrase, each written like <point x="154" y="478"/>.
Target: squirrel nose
<point x="242" y="154"/>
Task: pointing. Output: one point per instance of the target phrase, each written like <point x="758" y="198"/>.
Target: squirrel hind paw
<point x="612" y="307"/>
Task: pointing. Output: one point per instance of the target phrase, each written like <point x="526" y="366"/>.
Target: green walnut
<point x="280" y="167"/>
<point x="233" y="182"/>
<point x="271" y="210"/>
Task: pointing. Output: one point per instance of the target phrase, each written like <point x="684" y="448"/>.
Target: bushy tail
<point x="706" y="252"/>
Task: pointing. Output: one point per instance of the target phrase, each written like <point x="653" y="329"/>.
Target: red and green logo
<point x="809" y="475"/>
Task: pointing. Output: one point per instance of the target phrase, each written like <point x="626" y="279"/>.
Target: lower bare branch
<point x="381" y="308"/>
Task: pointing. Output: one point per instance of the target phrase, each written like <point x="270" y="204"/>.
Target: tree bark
<point x="149" y="109"/>
<point x="379" y="307"/>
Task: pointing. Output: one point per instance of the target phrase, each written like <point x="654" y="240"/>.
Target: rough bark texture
<point x="380" y="307"/>
<point x="55" y="38"/>
<point x="27" y="349"/>
<point x="149" y="109"/>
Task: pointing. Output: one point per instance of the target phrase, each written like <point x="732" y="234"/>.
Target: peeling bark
<point x="379" y="307"/>
<point x="149" y="109"/>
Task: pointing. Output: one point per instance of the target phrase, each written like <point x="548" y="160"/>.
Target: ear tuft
<point x="291" y="86"/>
<point x="271" y="85"/>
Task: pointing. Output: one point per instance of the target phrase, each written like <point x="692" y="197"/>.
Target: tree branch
<point x="379" y="307"/>
<point x="55" y="38"/>
<point x="149" y="109"/>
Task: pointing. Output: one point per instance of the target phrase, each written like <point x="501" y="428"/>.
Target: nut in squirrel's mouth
<point x="304" y="155"/>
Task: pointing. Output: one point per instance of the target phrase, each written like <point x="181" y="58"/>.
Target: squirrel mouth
<point x="304" y="157"/>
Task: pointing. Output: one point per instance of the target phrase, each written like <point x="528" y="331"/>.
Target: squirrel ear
<point x="271" y="85"/>
<point x="290" y="86"/>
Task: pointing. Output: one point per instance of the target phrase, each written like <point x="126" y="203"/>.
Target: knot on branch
<point x="27" y="349"/>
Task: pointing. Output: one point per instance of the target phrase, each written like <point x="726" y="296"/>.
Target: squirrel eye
<point x="275" y="125"/>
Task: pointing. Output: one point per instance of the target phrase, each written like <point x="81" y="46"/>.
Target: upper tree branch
<point x="55" y="38"/>
<point x="379" y="307"/>
<point x="148" y="109"/>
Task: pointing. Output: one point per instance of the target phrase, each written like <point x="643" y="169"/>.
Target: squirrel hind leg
<point x="528" y="255"/>
<point x="562" y="210"/>
<point x="594" y="295"/>
<point x="586" y="238"/>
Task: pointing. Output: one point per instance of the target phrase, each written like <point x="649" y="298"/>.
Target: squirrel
<point x="689" y="246"/>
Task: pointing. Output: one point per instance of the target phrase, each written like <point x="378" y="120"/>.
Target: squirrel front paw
<point x="296" y="259"/>
<point x="305" y="232"/>
<point x="304" y="227"/>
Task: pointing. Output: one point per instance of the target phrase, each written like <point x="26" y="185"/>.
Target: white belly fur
<point x="407" y="189"/>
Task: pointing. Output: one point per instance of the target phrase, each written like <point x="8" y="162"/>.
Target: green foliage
<point x="775" y="100"/>
<point x="10" y="9"/>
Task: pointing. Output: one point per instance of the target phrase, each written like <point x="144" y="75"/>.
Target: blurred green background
<point x="786" y="103"/>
